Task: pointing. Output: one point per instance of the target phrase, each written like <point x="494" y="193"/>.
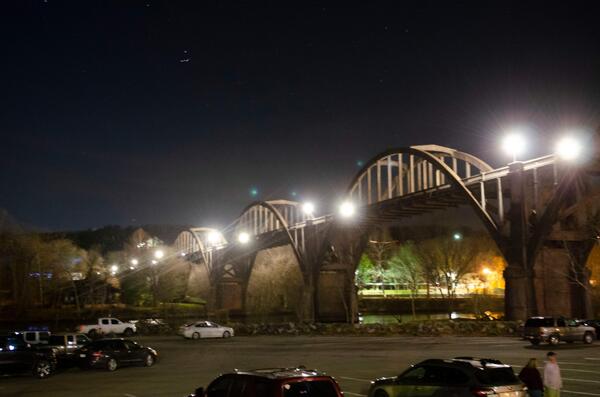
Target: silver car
<point x="553" y="330"/>
<point x="458" y="377"/>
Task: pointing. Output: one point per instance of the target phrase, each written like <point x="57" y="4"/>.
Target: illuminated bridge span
<point x="529" y="208"/>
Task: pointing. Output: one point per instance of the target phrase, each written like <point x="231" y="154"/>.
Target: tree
<point x="406" y="266"/>
<point x="447" y="259"/>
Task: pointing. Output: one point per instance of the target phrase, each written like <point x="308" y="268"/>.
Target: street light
<point x="114" y="269"/>
<point x="243" y="237"/>
<point x="568" y="148"/>
<point x="214" y="237"/>
<point x="347" y="209"/>
<point x="308" y="208"/>
<point x="154" y="262"/>
<point x="486" y="271"/>
<point x="457" y="236"/>
<point x="134" y="262"/>
<point x="514" y="144"/>
<point x="158" y="254"/>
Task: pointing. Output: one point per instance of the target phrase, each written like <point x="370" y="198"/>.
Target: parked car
<point x="459" y="377"/>
<point x="594" y="324"/>
<point x="108" y="325"/>
<point x="17" y="357"/>
<point x="152" y="326"/>
<point x="277" y="382"/>
<point x="553" y="330"/>
<point x="64" y="344"/>
<point x="205" y="329"/>
<point x="35" y="335"/>
<point x="111" y="354"/>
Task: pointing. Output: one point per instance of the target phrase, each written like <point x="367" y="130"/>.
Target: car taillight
<point x="481" y="392"/>
<point x="97" y="354"/>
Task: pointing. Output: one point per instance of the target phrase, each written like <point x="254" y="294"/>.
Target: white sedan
<point x="205" y="329"/>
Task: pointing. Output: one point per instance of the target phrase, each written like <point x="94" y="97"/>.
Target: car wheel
<point x="42" y="369"/>
<point x="149" y="360"/>
<point x="112" y="364"/>
<point x="381" y="393"/>
<point x="554" y="340"/>
<point x="226" y="334"/>
<point x="195" y="335"/>
<point x="534" y="342"/>
<point x="128" y="332"/>
<point x="588" y="338"/>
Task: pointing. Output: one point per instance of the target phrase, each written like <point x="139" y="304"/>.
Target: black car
<point x="272" y="382"/>
<point x="18" y="357"/>
<point x="460" y="377"/>
<point x="595" y="324"/>
<point x="113" y="353"/>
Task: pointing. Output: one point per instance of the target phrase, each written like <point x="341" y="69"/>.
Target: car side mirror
<point x="199" y="392"/>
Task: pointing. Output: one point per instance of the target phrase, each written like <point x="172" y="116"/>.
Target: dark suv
<point x="18" y="357"/>
<point x="459" y="377"/>
<point x="276" y="382"/>
<point x="554" y="330"/>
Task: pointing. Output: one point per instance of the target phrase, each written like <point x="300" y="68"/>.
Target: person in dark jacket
<point x="532" y="379"/>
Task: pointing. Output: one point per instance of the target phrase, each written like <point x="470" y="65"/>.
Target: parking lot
<point x="185" y="364"/>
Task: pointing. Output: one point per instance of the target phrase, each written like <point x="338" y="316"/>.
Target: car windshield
<point x="319" y="388"/>
<point x="497" y="376"/>
<point x="539" y="322"/>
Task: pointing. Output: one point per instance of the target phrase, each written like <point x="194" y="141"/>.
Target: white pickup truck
<point x="108" y="325"/>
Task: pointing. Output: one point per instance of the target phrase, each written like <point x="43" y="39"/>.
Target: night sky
<point x="136" y="112"/>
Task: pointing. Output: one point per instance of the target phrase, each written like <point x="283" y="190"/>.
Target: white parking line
<point x="591" y="358"/>
<point x="579" y="392"/>
<point x="564" y="369"/>
<point x="582" y="380"/>
<point x="572" y="363"/>
<point x="355" y="379"/>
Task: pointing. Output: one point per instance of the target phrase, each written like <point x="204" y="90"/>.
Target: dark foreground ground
<point x="186" y="364"/>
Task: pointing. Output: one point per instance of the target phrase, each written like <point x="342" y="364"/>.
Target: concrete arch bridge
<point x="540" y="212"/>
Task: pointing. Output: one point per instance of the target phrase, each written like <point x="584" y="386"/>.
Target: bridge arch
<point x="417" y="170"/>
<point x="261" y="217"/>
<point x="194" y="243"/>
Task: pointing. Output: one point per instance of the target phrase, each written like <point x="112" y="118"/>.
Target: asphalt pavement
<point x="186" y="364"/>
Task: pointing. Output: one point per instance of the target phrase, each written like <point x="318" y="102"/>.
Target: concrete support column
<point x="519" y="293"/>
<point x="230" y="295"/>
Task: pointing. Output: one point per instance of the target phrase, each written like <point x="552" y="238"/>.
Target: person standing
<point x="552" y="378"/>
<point x="532" y="379"/>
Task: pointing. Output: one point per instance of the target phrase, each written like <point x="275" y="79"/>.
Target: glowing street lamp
<point x="134" y="262"/>
<point x="308" y="208"/>
<point x="347" y="209"/>
<point x="154" y="262"/>
<point x="514" y="144"/>
<point x="486" y="271"/>
<point x="114" y="269"/>
<point x="244" y="238"/>
<point x="568" y="148"/>
<point x="158" y="254"/>
<point x="214" y="237"/>
<point x="457" y="236"/>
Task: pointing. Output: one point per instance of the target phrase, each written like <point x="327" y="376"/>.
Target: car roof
<point x="280" y="373"/>
<point x="467" y="363"/>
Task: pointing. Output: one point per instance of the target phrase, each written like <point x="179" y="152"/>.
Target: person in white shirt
<point x="552" y="379"/>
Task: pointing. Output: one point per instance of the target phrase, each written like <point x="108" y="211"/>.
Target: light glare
<point x="308" y="208"/>
<point x="514" y="145"/>
<point x="158" y="254"/>
<point x="347" y="209"/>
<point x="244" y="237"/>
<point x="568" y="148"/>
<point x="214" y="237"/>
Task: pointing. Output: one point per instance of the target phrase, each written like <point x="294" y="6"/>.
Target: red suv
<point x="274" y="382"/>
